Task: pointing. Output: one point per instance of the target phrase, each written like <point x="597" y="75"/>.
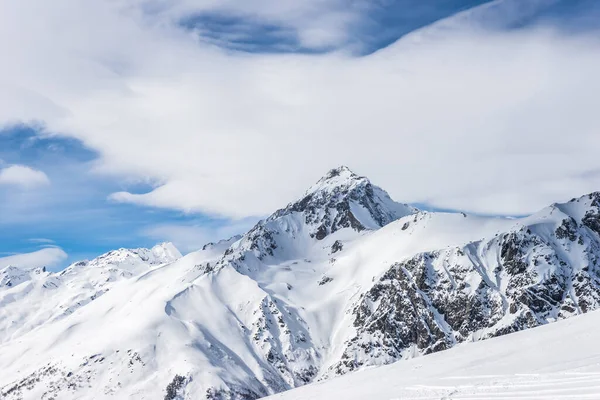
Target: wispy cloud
<point x="48" y="257"/>
<point x="41" y="240"/>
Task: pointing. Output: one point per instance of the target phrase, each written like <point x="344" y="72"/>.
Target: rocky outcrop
<point x="517" y="280"/>
<point x="340" y="199"/>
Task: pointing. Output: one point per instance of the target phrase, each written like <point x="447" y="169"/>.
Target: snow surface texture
<point x="553" y="362"/>
<point x="343" y="279"/>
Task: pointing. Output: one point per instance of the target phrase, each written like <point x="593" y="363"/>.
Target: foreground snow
<point x="556" y="361"/>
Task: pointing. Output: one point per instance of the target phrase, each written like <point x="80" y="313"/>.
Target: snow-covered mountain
<point x="11" y="276"/>
<point x="341" y="279"/>
<point x="32" y="298"/>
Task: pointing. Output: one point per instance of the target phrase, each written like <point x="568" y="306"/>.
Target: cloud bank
<point x="455" y="115"/>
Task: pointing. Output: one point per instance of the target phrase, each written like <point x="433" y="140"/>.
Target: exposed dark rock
<point x="592" y="220"/>
<point x="234" y="392"/>
<point x="567" y="230"/>
<point x="329" y="209"/>
<point x="336" y="246"/>
<point x="174" y="388"/>
<point x="324" y="280"/>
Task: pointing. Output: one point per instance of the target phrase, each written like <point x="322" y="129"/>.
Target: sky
<point x="127" y="123"/>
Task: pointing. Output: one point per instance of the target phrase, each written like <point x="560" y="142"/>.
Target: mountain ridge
<point x="285" y="305"/>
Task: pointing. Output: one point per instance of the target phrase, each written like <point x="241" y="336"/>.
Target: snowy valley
<point x="341" y="280"/>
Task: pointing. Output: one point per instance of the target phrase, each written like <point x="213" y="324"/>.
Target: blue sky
<point x="132" y="156"/>
<point x="74" y="212"/>
<point x="382" y="23"/>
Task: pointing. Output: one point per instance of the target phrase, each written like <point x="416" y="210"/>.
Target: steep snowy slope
<point x="342" y="279"/>
<point x="553" y="362"/>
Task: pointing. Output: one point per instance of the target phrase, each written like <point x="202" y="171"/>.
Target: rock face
<point x="341" y="279"/>
<point x="342" y="199"/>
<point x="523" y="278"/>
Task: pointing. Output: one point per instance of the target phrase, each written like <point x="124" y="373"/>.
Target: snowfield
<point x="342" y="280"/>
<point x="556" y="361"/>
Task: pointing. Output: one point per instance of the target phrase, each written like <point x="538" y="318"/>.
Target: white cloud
<point x="454" y="115"/>
<point x="48" y="257"/>
<point x="24" y="176"/>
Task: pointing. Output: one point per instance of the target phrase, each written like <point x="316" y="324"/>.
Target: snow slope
<point x="556" y="361"/>
<point x="340" y="280"/>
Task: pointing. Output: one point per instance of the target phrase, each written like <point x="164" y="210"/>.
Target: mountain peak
<point x="343" y="199"/>
<point x="339" y="177"/>
<point x="341" y="171"/>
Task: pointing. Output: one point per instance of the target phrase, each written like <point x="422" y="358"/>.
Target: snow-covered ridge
<point x="159" y="254"/>
<point x="342" y="279"/>
<point x="11" y="276"/>
<point x="57" y="295"/>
